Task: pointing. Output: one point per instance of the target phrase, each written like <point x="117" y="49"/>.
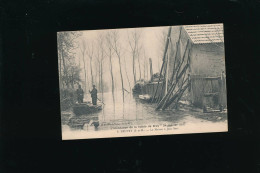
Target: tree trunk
<point x="134" y="72"/>
<point x="127" y="75"/>
<point x="112" y="77"/>
<point x="101" y="76"/>
<point x="90" y="58"/>
<point x="85" y="85"/>
<point x="61" y="83"/>
<point x="96" y="74"/>
<point x="144" y="68"/>
<point x="64" y="68"/>
<point x="122" y="80"/>
<point x="139" y="68"/>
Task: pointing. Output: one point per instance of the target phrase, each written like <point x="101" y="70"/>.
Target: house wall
<point x="207" y="60"/>
<point x="173" y="46"/>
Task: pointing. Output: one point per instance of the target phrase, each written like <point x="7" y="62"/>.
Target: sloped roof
<point x="208" y="33"/>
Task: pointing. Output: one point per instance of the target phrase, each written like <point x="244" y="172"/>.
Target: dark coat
<point x="80" y="92"/>
<point x="93" y="93"/>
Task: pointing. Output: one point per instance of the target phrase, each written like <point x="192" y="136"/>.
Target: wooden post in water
<point x="151" y="69"/>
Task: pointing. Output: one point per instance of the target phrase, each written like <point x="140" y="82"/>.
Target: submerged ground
<point x="137" y="118"/>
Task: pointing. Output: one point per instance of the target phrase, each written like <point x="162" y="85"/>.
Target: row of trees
<point x="85" y="61"/>
<point x="69" y="72"/>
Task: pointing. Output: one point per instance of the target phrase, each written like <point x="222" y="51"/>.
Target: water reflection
<point x="132" y="112"/>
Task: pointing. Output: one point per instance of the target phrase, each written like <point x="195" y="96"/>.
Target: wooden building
<point x="196" y="53"/>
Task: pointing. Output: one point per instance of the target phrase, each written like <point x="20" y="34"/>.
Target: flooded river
<point x="117" y="116"/>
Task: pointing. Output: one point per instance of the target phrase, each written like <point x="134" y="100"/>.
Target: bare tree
<point x="69" y="72"/>
<point x="73" y="74"/>
<point x="109" y="53"/>
<point x="133" y="40"/>
<point x="66" y="46"/>
<point x="83" y="51"/>
<point x="101" y="55"/>
<point x="90" y="53"/>
<point x="117" y="48"/>
<point x="60" y="66"/>
<point x="96" y="72"/>
<point x="127" y="75"/>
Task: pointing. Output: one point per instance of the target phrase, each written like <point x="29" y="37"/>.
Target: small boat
<point x="86" y="108"/>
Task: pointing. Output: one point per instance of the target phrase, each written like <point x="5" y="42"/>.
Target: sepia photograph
<point x="142" y="81"/>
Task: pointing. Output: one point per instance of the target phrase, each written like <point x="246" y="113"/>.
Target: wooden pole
<point x="166" y="75"/>
<point x="183" y="82"/>
<point x="167" y="96"/>
<point x="177" y="50"/>
<point x="183" y="57"/>
<point x="179" y="95"/>
<point x="164" y="55"/>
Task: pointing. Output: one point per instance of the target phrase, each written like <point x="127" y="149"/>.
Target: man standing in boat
<point x="80" y="94"/>
<point x="94" y="95"/>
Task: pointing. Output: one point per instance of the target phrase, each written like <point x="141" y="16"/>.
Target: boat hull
<point x="86" y="108"/>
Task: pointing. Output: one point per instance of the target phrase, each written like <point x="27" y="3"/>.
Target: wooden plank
<point x="204" y="77"/>
<point x="165" y="51"/>
<point x="177" y="50"/>
<point x="165" y="98"/>
<point x="177" y="96"/>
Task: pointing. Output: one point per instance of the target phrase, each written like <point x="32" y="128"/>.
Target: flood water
<point x="133" y="112"/>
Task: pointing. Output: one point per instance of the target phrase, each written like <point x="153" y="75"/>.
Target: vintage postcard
<point x="142" y="81"/>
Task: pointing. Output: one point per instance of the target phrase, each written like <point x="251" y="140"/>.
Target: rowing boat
<point x="86" y="108"/>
